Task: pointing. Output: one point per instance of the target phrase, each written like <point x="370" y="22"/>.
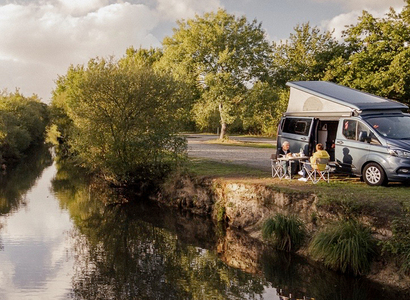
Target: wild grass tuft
<point x="287" y="232"/>
<point x="346" y="246"/>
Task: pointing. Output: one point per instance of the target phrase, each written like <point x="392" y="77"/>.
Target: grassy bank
<point x="348" y="193"/>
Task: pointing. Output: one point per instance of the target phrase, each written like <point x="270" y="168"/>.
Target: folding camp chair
<point x="278" y="169"/>
<point x="314" y="174"/>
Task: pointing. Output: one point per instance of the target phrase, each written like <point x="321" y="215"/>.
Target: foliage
<point x="141" y="56"/>
<point x="379" y="56"/>
<point x="120" y="119"/>
<point x="23" y="122"/>
<point x="263" y="108"/>
<point x="399" y="244"/>
<point x="287" y="232"/>
<point x="219" y="56"/>
<point x="305" y="56"/>
<point x="346" y="246"/>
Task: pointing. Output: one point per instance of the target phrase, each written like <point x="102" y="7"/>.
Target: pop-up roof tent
<point x="328" y="99"/>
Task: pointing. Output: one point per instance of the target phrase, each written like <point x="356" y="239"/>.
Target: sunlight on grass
<point x="203" y="167"/>
<point x="232" y="142"/>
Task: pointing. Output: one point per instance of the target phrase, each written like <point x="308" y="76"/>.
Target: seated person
<point x="320" y="153"/>
<point x="285" y="152"/>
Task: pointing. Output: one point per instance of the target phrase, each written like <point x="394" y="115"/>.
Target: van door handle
<point x="303" y="139"/>
<point x="340" y="142"/>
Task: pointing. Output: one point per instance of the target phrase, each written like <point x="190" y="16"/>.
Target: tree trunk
<point x="223" y="123"/>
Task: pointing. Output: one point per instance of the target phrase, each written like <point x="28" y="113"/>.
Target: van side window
<point x="366" y="135"/>
<point x="297" y="126"/>
<point x="349" y="129"/>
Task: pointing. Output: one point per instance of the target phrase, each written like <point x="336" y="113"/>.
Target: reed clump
<point x="346" y="246"/>
<point x="286" y="232"/>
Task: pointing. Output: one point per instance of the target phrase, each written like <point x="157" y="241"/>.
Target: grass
<point x="346" y="246"/>
<point x="204" y="167"/>
<point x="287" y="232"/>
<point x="349" y="194"/>
<point x="233" y="142"/>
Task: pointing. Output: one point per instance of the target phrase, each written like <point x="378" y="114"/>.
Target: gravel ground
<point x="258" y="158"/>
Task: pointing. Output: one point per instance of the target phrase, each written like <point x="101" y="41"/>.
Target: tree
<point x="379" y="60"/>
<point x="305" y="56"/>
<point x="220" y="56"/>
<point x="123" y="119"/>
<point x="23" y="122"/>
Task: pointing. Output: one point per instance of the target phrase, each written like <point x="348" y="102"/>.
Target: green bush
<point x="346" y="246"/>
<point x="120" y="120"/>
<point x="399" y="244"/>
<point x="287" y="232"/>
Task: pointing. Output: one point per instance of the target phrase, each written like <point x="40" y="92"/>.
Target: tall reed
<point x="286" y="232"/>
<point x="346" y="246"/>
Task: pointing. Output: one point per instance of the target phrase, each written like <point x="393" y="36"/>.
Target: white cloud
<point x="339" y="23"/>
<point x="373" y="5"/>
<point x="377" y="8"/>
<point x="183" y="9"/>
<point x="40" y="40"/>
<point x="81" y="6"/>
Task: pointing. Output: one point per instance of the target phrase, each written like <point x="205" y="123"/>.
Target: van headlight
<point x="399" y="153"/>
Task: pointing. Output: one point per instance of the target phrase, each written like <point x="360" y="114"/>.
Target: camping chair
<point x="316" y="173"/>
<point x="277" y="167"/>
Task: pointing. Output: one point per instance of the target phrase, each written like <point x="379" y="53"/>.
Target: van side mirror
<point x="363" y="137"/>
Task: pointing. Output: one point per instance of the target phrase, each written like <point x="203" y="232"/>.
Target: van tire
<point x="373" y="174"/>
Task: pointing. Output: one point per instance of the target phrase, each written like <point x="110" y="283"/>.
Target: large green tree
<point x="119" y="119"/>
<point x="221" y="56"/>
<point x="305" y="55"/>
<point x="379" y="60"/>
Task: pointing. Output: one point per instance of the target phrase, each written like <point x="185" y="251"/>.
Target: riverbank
<point x="246" y="202"/>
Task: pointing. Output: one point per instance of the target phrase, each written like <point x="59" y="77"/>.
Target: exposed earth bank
<point x="245" y="203"/>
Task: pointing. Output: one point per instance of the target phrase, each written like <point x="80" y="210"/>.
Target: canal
<point x="64" y="238"/>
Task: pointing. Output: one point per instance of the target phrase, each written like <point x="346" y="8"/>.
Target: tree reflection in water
<point x="17" y="180"/>
<point x="140" y="251"/>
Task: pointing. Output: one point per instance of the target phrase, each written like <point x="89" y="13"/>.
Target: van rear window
<point x="297" y="126"/>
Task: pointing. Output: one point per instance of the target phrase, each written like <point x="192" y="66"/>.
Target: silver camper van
<point x="365" y="135"/>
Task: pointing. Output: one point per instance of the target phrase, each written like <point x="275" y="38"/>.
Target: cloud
<point x="43" y="39"/>
<point x="377" y="8"/>
<point x="172" y="10"/>
<point x="373" y="5"/>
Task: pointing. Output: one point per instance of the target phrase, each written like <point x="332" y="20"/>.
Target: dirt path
<point x="253" y="157"/>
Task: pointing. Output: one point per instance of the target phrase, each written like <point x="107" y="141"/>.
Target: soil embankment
<point x="245" y="203"/>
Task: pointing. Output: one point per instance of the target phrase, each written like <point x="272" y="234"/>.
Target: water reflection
<point x="73" y="240"/>
<point x="143" y="252"/>
<point x="140" y="251"/>
<point x="18" y="180"/>
<point x="34" y="260"/>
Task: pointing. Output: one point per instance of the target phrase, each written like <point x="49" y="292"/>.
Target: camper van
<point x="365" y="135"/>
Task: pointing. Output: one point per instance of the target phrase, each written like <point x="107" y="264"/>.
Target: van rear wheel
<point x="373" y="174"/>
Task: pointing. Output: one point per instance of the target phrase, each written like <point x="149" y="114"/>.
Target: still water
<point x="62" y="238"/>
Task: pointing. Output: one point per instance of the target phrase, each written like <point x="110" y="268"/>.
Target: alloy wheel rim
<point x="373" y="175"/>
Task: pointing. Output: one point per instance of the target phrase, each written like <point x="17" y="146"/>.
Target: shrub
<point x="399" y="244"/>
<point x="287" y="232"/>
<point x="346" y="246"/>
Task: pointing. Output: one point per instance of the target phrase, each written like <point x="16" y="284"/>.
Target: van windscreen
<point x="297" y="126"/>
<point x="393" y="127"/>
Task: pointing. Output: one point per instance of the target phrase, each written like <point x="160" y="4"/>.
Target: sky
<point x="40" y="39"/>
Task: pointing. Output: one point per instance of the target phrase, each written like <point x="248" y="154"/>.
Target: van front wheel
<point x="374" y="175"/>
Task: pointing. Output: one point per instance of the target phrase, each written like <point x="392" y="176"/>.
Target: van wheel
<point x="374" y="175"/>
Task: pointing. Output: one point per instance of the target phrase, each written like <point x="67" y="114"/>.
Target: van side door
<point x="298" y="132"/>
<point x="352" y="145"/>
